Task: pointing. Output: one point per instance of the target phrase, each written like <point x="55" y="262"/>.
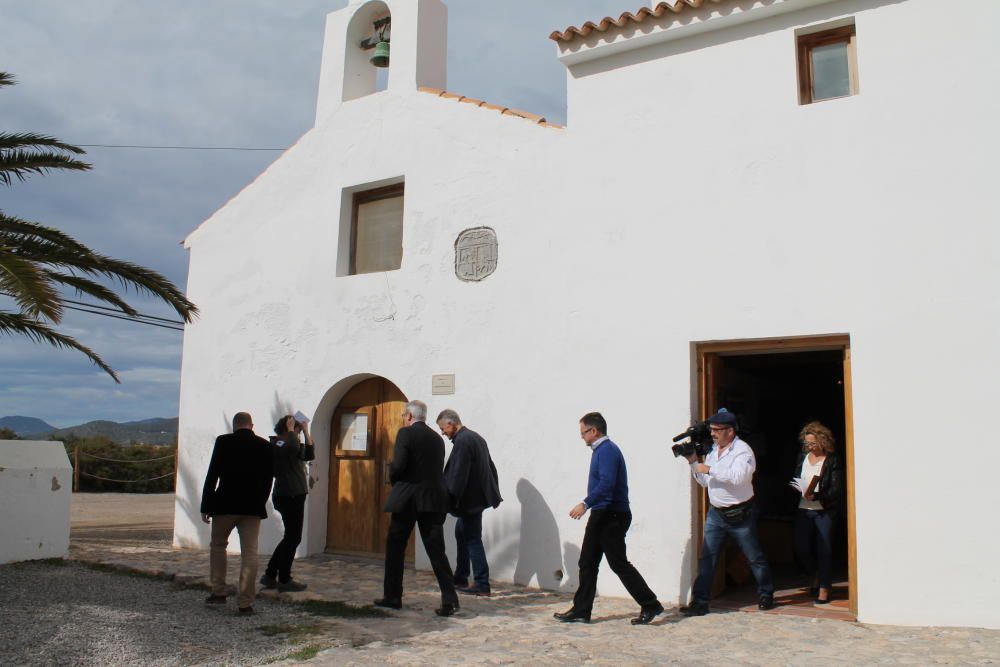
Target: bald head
<point x="242" y="420"/>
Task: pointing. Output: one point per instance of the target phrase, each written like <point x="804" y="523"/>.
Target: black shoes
<point x="766" y="602"/>
<point x="647" y="614"/>
<point x="472" y="590"/>
<point x="215" y="599"/>
<point x="246" y="611"/>
<point x="695" y="609"/>
<point x="447" y="609"/>
<point x="572" y="616"/>
<point x="291" y="586"/>
<point x="388" y="604"/>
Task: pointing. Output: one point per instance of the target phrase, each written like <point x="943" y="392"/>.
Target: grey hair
<point x="449" y="416"/>
<point x="242" y="420"/>
<point x="417" y="410"/>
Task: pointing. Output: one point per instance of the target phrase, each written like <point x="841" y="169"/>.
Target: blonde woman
<point x="819" y="505"/>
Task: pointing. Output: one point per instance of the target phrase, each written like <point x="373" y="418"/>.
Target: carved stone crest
<point x="475" y="254"/>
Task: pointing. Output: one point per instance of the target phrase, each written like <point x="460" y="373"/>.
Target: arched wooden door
<point x="363" y="432"/>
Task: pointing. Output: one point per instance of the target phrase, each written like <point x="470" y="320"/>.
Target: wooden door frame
<point x="703" y="357"/>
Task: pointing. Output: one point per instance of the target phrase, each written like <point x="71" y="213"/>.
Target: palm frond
<point x="35" y="142"/>
<point x="58" y="250"/>
<point x="18" y="230"/>
<point x="29" y="286"/>
<point x="144" y="280"/>
<point x="20" y="164"/>
<point x="7" y="79"/>
<point x="90" y="288"/>
<point x="22" y="325"/>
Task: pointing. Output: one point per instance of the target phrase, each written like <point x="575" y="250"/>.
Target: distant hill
<point x="146" y="431"/>
<point x="24" y="425"/>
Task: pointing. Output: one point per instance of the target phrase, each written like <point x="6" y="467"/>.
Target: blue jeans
<point x="745" y="534"/>
<point x="469" y="538"/>
<point x="815" y="526"/>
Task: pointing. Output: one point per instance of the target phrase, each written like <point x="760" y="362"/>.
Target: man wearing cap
<point x="727" y="473"/>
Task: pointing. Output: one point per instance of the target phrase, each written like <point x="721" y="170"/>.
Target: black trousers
<point x="292" y="510"/>
<point x="605" y="536"/>
<point x="432" y="535"/>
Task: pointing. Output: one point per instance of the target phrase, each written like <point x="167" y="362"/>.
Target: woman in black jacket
<point x="819" y="505"/>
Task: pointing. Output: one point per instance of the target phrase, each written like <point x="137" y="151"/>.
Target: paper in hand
<point x="300" y="418"/>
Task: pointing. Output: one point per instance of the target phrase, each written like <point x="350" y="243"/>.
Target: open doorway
<point x="775" y="388"/>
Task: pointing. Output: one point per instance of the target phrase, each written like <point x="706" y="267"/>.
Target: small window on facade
<point x="827" y="65"/>
<point x="377" y="230"/>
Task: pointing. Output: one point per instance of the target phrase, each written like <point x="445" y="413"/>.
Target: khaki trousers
<point x="249" y="529"/>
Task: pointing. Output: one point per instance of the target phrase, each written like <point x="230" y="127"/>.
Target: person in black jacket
<point x="473" y="484"/>
<point x="236" y="488"/>
<point x="418" y="496"/>
<point x="289" y="498"/>
<point x="819" y="508"/>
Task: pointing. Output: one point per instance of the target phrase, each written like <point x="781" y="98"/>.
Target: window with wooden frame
<point x="377" y="230"/>
<point x="827" y="64"/>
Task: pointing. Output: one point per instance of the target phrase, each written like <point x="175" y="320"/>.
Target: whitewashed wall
<point x="690" y="199"/>
<point x="36" y="487"/>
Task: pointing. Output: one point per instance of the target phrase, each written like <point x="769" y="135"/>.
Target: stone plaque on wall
<point x="475" y="254"/>
<point x="443" y="384"/>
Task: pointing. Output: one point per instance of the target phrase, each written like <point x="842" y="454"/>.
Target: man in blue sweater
<point x="610" y="517"/>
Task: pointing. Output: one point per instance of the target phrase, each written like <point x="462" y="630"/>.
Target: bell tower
<point x="417" y="35"/>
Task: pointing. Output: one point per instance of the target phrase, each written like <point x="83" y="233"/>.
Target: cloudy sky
<point x="234" y="73"/>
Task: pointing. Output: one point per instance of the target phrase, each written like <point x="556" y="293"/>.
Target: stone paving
<point x="515" y="626"/>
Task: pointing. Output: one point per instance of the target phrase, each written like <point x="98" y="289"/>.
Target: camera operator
<point x="727" y="473"/>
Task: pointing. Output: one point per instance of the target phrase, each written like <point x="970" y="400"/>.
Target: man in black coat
<point x="418" y="496"/>
<point x="472" y="482"/>
<point x="236" y="488"/>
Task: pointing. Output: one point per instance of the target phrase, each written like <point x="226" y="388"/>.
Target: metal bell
<point x="381" y="57"/>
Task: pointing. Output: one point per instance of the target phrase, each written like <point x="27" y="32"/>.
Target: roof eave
<point x="614" y="40"/>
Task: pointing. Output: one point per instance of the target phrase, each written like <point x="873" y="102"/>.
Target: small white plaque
<point x="442" y="385"/>
<point x="354" y="433"/>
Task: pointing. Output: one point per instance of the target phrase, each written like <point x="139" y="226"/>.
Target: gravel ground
<point x="60" y="613"/>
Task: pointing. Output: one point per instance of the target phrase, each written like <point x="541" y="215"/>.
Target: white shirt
<point x="730" y="480"/>
<point x="597" y="443"/>
<point x="809" y="471"/>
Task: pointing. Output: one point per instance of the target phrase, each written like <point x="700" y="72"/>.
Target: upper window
<point x="377" y="230"/>
<point x="827" y="65"/>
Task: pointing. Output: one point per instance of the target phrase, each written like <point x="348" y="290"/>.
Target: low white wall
<point x="36" y="486"/>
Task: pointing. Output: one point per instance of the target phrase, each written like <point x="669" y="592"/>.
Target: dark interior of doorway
<point x="774" y="396"/>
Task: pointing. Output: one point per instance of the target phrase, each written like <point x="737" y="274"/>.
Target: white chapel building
<point x="788" y="208"/>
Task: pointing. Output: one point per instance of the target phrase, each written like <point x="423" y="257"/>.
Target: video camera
<point x="697" y="440"/>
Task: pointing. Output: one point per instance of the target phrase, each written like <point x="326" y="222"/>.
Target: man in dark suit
<point x="473" y="484"/>
<point x="236" y="488"/>
<point x="610" y="518"/>
<point x="418" y="496"/>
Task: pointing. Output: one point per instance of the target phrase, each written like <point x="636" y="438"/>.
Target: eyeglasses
<point x="586" y="431"/>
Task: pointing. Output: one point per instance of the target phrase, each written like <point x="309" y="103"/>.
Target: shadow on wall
<point x="191" y="478"/>
<point x="532" y="546"/>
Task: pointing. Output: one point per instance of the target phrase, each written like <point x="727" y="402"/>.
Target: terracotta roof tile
<point x="506" y="111"/>
<point x="605" y="24"/>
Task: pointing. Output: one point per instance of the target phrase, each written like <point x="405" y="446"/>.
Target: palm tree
<point x="37" y="261"/>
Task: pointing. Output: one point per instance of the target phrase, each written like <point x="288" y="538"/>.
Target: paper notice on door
<point x="354" y="433"/>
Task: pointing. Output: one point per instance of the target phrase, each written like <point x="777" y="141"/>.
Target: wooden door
<point x="712" y="369"/>
<point x="852" y="549"/>
<point x="363" y="432"/>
